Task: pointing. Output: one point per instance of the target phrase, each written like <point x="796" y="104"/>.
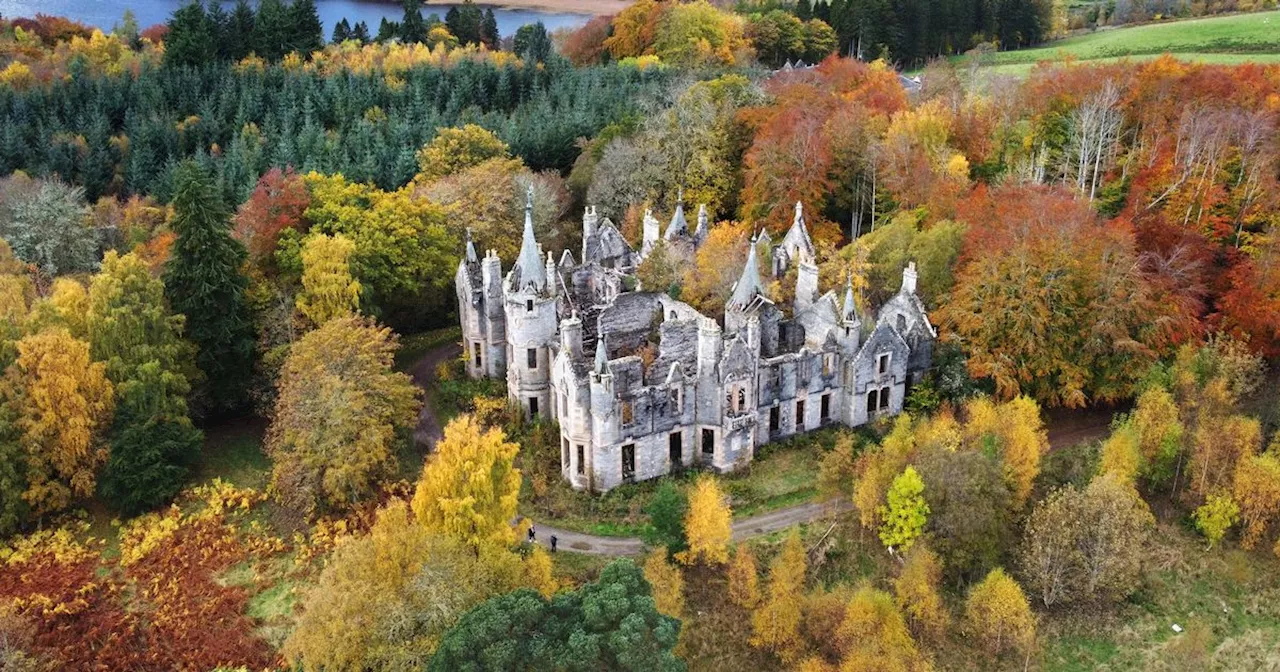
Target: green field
<point x="1222" y="40"/>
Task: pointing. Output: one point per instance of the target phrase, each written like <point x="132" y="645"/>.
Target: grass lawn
<point x="1223" y="39"/>
<point x="783" y="474"/>
<point x="233" y="451"/>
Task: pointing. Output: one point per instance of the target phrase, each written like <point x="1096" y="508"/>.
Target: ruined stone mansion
<point x="642" y="384"/>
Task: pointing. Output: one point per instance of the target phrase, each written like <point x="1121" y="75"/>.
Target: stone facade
<point x="642" y="384"/>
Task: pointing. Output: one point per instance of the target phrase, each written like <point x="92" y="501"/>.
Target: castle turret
<point x="742" y="300"/>
<point x="796" y="246"/>
<point x="703" y="229"/>
<point x="806" y="285"/>
<point x="530" y="307"/>
<point x="651" y="233"/>
<point x="590" y="232"/>
<point x="850" y="330"/>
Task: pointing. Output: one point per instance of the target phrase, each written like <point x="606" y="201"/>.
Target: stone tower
<point x="530" y="306"/>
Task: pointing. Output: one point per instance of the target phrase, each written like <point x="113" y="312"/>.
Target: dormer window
<point x="882" y="364"/>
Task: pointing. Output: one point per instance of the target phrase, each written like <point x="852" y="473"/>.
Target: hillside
<point x="1226" y="40"/>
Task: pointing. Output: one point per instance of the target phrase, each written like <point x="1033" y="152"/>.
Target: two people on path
<point x="533" y="537"/>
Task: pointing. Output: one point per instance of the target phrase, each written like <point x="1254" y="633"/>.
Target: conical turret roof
<point x="679" y="226"/>
<point x="749" y="285"/>
<point x="529" y="271"/>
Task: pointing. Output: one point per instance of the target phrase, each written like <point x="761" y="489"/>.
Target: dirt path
<point x="1065" y="428"/>
<point x="428" y="430"/>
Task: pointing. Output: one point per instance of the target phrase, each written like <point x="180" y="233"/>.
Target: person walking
<point x="533" y="535"/>
<point x="553" y="543"/>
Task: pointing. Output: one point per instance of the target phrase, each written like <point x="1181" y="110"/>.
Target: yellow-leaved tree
<point x="341" y="411"/>
<point x="917" y="591"/>
<point x="707" y="525"/>
<point x="998" y="614"/>
<point x="877" y="467"/>
<point x="328" y="290"/>
<point x="904" y="512"/>
<point x="874" y="637"/>
<point x="775" y="624"/>
<point x="1122" y="454"/>
<point x="385" y="599"/>
<point x="66" y="307"/>
<point x="1221" y="442"/>
<point x="744" y="578"/>
<point x="63" y="402"/>
<point x="1257" y="491"/>
<point x="456" y="149"/>
<point x="667" y="583"/>
<point x="470" y="486"/>
<point x="1014" y="431"/>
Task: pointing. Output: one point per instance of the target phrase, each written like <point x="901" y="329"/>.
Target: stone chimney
<point x="571" y="336"/>
<point x="909" y="277"/>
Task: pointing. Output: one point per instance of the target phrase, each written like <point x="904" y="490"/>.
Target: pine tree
<point x="272" y="30"/>
<point x="306" y="31"/>
<point x="412" y="28"/>
<point x="191" y="37"/>
<point x="240" y="31"/>
<point x="387" y="30"/>
<point x="361" y="32"/>
<point x="489" y="29"/>
<point x="341" y="31"/>
<point x="666" y="517"/>
<point x="204" y="283"/>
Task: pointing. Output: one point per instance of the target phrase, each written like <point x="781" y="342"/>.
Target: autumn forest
<point x="236" y="434"/>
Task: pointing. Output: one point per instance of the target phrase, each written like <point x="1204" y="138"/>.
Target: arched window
<point x="742" y="400"/>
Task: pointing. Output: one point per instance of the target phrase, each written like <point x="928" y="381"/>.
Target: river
<point x="105" y="13"/>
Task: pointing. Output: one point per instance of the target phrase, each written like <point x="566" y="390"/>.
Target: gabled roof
<point x="529" y="271"/>
<point x="749" y="285"/>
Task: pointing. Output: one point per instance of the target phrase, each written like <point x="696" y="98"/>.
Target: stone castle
<point x="642" y="384"/>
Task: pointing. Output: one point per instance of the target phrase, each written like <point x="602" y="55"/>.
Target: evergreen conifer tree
<point x="341" y="31"/>
<point x="361" y="32"/>
<point x="412" y="27"/>
<point x="306" y="31"/>
<point x="489" y="30"/>
<point x="205" y="284"/>
<point x="191" y="39"/>
<point x="240" y="31"/>
<point x="271" y="30"/>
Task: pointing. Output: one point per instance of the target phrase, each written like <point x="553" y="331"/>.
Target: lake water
<point x="105" y="13"/>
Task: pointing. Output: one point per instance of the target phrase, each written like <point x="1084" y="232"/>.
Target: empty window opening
<point x="673" y="395"/>
<point x="475" y="351"/>
<point x="742" y="400"/>
<point x="531" y="358"/>
<point x="675" y="444"/>
<point x="799" y="415"/>
<point x="775" y="419"/>
<point x="873" y="401"/>
<point x="629" y="462"/>
<point x="564" y="453"/>
<point x="582" y="460"/>
<point x="882" y="364"/>
<point x="627" y="414"/>
<point x="528" y="306"/>
<point x="826" y="407"/>
<point x="884" y="398"/>
<point x="533" y="407"/>
<point x="708" y="441"/>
